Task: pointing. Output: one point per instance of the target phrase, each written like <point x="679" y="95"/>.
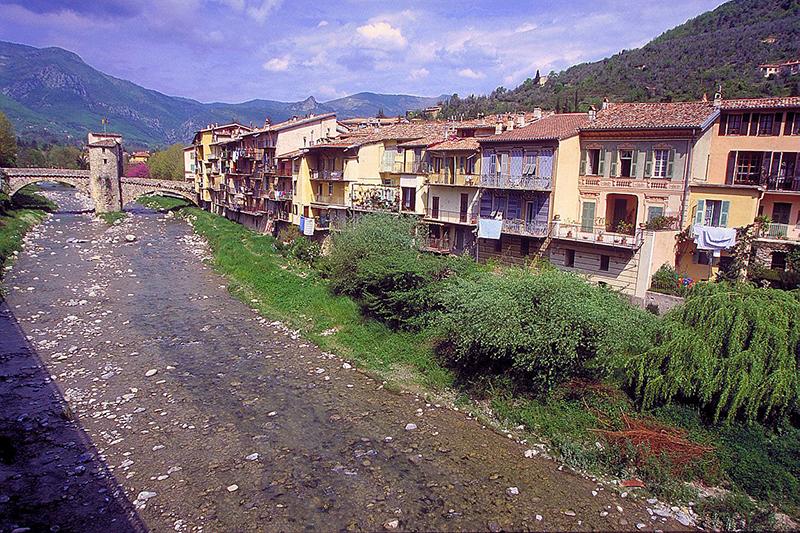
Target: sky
<point x="237" y="50"/>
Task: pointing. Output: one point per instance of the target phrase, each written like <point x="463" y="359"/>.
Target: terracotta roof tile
<point x="641" y="116"/>
<point x="761" y="103"/>
<point x="463" y="143"/>
<point x="551" y="127"/>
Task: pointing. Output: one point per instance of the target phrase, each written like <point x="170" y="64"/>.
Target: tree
<point x="8" y="143"/>
<point x="138" y="170"/>
<point x="537" y="78"/>
<point x="31" y="157"/>
<point x="167" y="164"/>
<point x="65" y="157"/>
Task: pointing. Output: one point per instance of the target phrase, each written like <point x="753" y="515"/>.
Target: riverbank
<point x="567" y="420"/>
<point x="17" y="217"/>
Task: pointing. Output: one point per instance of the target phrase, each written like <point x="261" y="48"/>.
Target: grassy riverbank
<point x="578" y="419"/>
<point x="17" y="216"/>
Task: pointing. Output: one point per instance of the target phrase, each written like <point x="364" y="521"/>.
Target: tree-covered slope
<point x="723" y="46"/>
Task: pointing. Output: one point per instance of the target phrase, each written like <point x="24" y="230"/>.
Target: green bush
<point x="666" y="281"/>
<point x="731" y="348"/>
<point x="304" y="250"/>
<point x="540" y="326"/>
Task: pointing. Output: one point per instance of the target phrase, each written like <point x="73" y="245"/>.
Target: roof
<point x="104" y="143"/>
<point x="106" y="134"/>
<point x="549" y="128"/>
<point x="292" y="122"/>
<point x="141" y="153"/>
<point x="292" y="154"/>
<point x="761" y="103"/>
<point x="419" y="133"/>
<point x="456" y="144"/>
<point x="224" y="126"/>
<point x="653" y="115"/>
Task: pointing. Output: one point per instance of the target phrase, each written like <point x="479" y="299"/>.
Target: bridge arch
<point x="134" y="188"/>
<point x="21" y="177"/>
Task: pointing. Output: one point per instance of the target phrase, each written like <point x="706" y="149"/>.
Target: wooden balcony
<point x="445" y="177"/>
<point x="452" y="217"/>
<point x="328" y="175"/>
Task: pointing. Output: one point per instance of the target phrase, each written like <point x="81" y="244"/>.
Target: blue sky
<point x="235" y="50"/>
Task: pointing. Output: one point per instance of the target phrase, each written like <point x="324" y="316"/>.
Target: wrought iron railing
<point x="509" y="181"/>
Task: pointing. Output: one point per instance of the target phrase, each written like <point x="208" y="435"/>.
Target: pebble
<point x="569" y="513"/>
<point x="539" y="517"/>
<point x="145" y="495"/>
<point x="151" y="372"/>
<point x="252" y="457"/>
<point x="130" y="238"/>
<point x="347" y="366"/>
<point x="233" y="488"/>
<point x="512" y="491"/>
<point x="410" y="427"/>
<point x="391" y="524"/>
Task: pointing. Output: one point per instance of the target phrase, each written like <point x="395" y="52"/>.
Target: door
<point x="462" y="211"/>
<point x="780" y="219"/>
<point x="620" y="211"/>
<point x="435" y="207"/>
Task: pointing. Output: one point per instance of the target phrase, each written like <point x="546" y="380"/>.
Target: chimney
<point x="537" y="113"/>
<point x="498" y="127"/>
<point x="704" y="98"/>
<point x="718" y="100"/>
<point x="520" y="120"/>
<point x="592" y="113"/>
<point x="605" y="103"/>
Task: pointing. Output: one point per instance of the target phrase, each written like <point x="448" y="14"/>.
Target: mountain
<point x="723" y="46"/>
<point x="52" y="94"/>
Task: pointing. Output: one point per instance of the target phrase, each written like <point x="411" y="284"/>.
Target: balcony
<point x="327" y="175"/>
<point x="775" y="230"/>
<point x="279" y="196"/>
<point x="782" y="183"/>
<point x="376" y="197"/>
<point x="659" y="184"/>
<point x="517" y="226"/>
<point x="508" y="181"/>
<point x="329" y="199"/>
<point x="445" y="177"/>
<point x="596" y="235"/>
<point x="408" y="167"/>
<point x="453" y="217"/>
<point x="440" y="245"/>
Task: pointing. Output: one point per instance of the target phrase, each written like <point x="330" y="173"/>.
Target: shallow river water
<point x="139" y="395"/>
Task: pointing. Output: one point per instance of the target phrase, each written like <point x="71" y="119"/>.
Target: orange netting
<point x="651" y="439"/>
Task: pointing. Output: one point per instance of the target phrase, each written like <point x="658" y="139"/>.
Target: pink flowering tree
<point x="138" y="170"/>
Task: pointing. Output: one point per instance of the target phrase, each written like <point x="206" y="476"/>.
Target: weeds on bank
<point x="113" y="217"/>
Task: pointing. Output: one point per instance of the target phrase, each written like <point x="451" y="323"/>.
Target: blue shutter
<point x="699" y="216"/>
<point x="513" y="206"/>
<point x="587" y="216"/>
<point x="516" y="162"/>
<point x="723" y="215"/>
<point x="545" y="164"/>
<point x="584" y="155"/>
<point x="486" y="204"/>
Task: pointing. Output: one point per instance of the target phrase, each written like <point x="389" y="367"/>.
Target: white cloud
<point x="527" y="26"/>
<point x="260" y="11"/>
<point x="382" y="35"/>
<point x="471" y="74"/>
<point x="277" y="64"/>
<point x="419" y="73"/>
<point x="322" y="23"/>
<point x="328" y="91"/>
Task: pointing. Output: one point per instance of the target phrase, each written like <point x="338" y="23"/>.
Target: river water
<point x="139" y="395"/>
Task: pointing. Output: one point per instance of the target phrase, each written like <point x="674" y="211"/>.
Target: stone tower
<point x="105" y="171"/>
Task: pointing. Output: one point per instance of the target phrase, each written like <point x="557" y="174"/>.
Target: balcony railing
<point x="455" y="217"/>
<point x="328" y="199"/>
<point x="508" y="181"/>
<point x="279" y="196"/>
<point x="517" y="226"/>
<point x="328" y="175"/>
<point x="777" y="230"/>
<point x="438" y="244"/>
<point x="408" y="167"/>
<point x="445" y="177"/>
<point x="629" y="183"/>
<point x="596" y="234"/>
<point x="783" y="183"/>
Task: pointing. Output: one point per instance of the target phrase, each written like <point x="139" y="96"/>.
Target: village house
<point x="138" y="157"/>
<point x="207" y="149"/>
<point x="619" y="225"/>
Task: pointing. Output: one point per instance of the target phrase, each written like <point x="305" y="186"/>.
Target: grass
<point x="112" y="217"/>
<point x="295" y="294"/>
<point x="166" y="203"/>
<point x="17" y="216"/>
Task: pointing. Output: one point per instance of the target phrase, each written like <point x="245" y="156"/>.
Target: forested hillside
<point x="723" y="46"/>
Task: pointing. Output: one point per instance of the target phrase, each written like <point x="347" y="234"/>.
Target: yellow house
<point x="208" y="175"/>
<point x="139" y="157"/>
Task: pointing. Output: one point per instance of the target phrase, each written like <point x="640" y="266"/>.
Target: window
<point x="409" y="198"/>
<point x="593" y="163"/>
<point x="105" y="161"/>
<point x="712" y="213"/>
<point x="792" y="124"/>
<point x="604" y="262"/>
<point x="660" y="163"/>
<point x="778" y="261"/>
<point x="330" y="189"/>
<point x="702" y="257"/>
<point x="654" y="211"/>
<point x="781" y="212"/>
<point x="524" y="246"/>
<point x="529" y="164"/>
<point x="319" y="189"/>
<point x="294" y="209"/>
<point x="748" y="166"/>
<point x="569" y="258"/>
<point x="469" y="166"/>
<point x="733" y="125"/>
<point x="626" y="163"/>
<point x="765" y="123"/>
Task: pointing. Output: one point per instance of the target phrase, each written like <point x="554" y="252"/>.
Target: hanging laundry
<point x="713" y="238"/>
<point x="308" y="227"/>
<point x="489" y="228"/>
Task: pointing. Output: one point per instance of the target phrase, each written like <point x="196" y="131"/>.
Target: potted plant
<point x="600" y="236"/>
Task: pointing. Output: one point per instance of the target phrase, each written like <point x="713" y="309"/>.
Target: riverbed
<point x="138" y="394"/>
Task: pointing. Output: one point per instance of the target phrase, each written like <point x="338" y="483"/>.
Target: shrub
<point x="662" y="223"/>
<point x="541" y="326"/>
<point x="288" y="234"/>
<point x="304" y="249"/>
<point x="666" y="281"/>
<point x="731" y="348"/>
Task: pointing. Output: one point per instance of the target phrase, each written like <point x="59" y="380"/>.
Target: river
<point x="138" y="394"/>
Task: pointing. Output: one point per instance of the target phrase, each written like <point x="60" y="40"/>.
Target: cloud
<point x="419" y="73"/>
<point x="277" y="64"/>
<point x="471" y="74"/>
<point x="322" y="23"/>
<point x="382" y="35"/>
<point x="260" y="11"/>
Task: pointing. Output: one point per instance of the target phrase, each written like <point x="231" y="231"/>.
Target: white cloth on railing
<point x="713" y="238"/>
<point x="489" y="228"/>
<point x="308" y="227"/>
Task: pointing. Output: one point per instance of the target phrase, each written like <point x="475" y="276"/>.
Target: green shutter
<point x="634" y="158"/>
<point x="671" y="163"/>
<point x="648" y="164"/>
<point x="584" y="155"/>
<point x="614" y="158"/>
<point x="601" y="166"/>
<point x="723" y="215"/>
<point x="587" y="216"/>
<point x="700" y="215"/>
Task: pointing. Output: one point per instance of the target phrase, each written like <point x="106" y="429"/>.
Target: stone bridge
<point x="103" y="182"/>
